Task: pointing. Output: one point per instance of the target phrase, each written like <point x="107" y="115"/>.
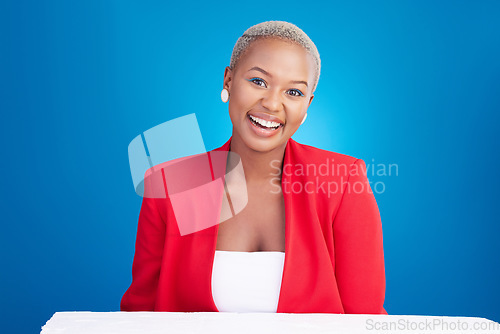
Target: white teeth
<point x="265" y="123"/>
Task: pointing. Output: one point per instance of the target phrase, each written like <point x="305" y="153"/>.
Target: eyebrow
<point x="256" y="68"/>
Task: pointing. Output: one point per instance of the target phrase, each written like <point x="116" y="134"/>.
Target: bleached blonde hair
<point x="281" y="30"/>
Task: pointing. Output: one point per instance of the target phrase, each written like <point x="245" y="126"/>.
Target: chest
<point x="260" y="226"/>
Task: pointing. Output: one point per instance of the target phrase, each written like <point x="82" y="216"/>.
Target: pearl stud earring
<point x="224" y="95"/>
<point x="304" y="119"/>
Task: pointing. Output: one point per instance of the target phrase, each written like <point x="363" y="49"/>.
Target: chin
<point x="263" y="144"/>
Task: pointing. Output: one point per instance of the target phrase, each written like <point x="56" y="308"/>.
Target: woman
<point x="309" y="239"/>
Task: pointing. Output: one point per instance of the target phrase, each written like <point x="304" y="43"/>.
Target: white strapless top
<point x="247" y="281"/>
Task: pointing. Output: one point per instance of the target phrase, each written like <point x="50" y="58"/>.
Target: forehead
<point x="278" y="57"/>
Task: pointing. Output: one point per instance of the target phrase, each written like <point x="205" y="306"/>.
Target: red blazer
<point x="334" y="261"/>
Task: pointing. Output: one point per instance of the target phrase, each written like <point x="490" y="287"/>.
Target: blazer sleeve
<point x="141" y="295"/>
<point x="359" y="253"/>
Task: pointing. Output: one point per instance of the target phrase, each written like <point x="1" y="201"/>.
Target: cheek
<point x="298" y="114"/>
<point x="245" y="95"/>
<point x="242" y="99"/>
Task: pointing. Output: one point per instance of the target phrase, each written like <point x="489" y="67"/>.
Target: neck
<point x="259" y="167"/>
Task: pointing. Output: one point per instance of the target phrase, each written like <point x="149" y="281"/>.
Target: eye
<point x="258" y="81"/>
<point x="296" y="92"/>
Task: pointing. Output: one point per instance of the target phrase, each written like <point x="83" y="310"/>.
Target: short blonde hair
<point x="277" y="29"/>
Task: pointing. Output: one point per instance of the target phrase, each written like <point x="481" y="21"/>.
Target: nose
<point x="272" y="100"/>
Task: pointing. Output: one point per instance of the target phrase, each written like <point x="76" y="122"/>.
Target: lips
<point x="259" y="122"/>
<point x="266" y="117"/>
<point x="263" y="128"/>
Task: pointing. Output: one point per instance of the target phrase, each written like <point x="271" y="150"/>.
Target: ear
<point x="228" y="76"/>
<point x="310" y="100"/>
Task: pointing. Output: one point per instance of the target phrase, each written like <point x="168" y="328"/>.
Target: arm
<point x="359" y="253"/>
<point x="141" y="295"/>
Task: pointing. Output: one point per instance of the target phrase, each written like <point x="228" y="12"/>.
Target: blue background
<point x="415" y="83"/>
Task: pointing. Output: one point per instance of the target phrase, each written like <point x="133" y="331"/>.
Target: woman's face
<point x="272" y="82"/>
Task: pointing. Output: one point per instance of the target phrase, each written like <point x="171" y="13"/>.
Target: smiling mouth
<point x="263" y="124"/>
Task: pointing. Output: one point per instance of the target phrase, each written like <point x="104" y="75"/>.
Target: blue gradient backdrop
<point x="414" y="83"/>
